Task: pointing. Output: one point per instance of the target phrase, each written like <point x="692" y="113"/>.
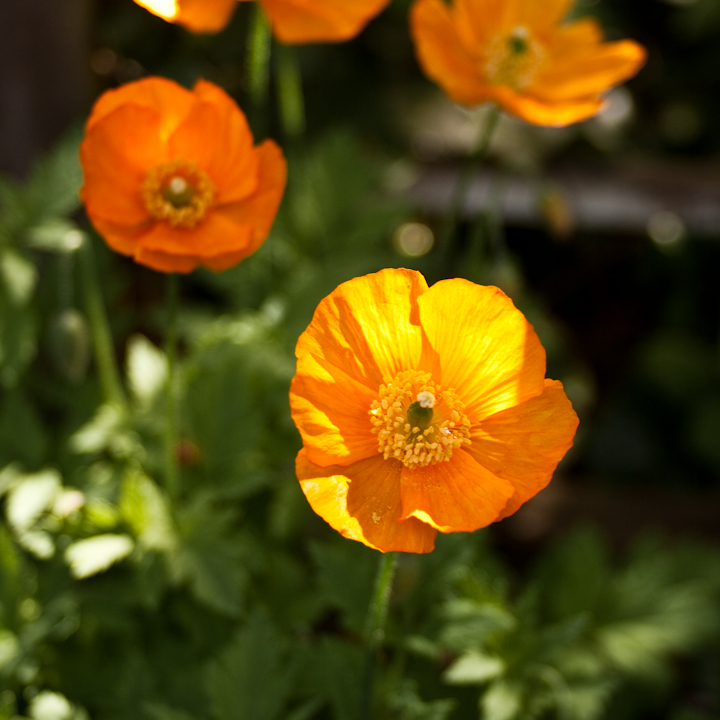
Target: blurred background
<point x="599" y="598"/>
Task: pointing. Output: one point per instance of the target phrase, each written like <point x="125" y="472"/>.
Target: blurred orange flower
<point x="293" y="21"/>
<point x="423" y="409"/>
<point x="520" y="55"/>
<point x="172" y="177"/>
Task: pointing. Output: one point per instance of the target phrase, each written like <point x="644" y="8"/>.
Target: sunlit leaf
<point x="96" y="554"/>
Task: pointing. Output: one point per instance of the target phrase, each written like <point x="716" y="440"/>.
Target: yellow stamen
<point x="514" y="60"/>
<point x="177" y="191"/>
<point x="417" y="422"/>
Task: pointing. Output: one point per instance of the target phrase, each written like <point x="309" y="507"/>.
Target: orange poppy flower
<point x="172" y="177"/>
<point x="423" y="409"/>
<point x="520" y="55"/>
<point x="293" y="21"/>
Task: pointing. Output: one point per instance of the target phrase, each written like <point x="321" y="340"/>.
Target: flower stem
<point x="100" y="328"/>
<point x="375" y="627"/>
<point x="473" y="163"/>
<point x="292" y="105"/>
<point x="258" y="62"/>
<point x="171" y="468"/>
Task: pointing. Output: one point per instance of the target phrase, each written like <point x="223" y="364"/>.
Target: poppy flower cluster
<point x="292" y="21"/>
<point x="522" y="56"/>
<point x="423" y="409"/>
<point x="172" y="178"/>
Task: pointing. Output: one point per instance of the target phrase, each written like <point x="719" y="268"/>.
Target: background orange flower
<point x="423" y="410"/>
<point x="172" y="178"/>
<point x="292" y="21"/>
<point x="519" y="54"/>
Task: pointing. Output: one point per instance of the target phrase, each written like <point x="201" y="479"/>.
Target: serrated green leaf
<point x="254" y="677"/>
<point x="96" y="554"/>
<point x="470" y="624"/>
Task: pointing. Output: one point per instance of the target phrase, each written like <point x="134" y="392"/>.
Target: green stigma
<point x="419" y="416"/>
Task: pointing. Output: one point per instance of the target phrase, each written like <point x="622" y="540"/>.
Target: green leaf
<point x="56" y="234"/>
<point x="254" y="677"/>
<point x="47" y="705"/>
<point x="30" y="497"/>
<point x="146" y="370"/>
<point x="96" y="554"/>
<point x="407" y="704"/>
<point x="107" y="430"/>
<point x="474" y="668"/>
<point x="145" y="507"/>
<point x="503" y="700"/>
<point x="471" y="624"/>
<point x="19" y="277"/>
<point x="22" y="435"/>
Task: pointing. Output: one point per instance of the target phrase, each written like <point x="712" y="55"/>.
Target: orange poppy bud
<point x="423" y="410"/>
<point x="520" y="55"/>
<point x="172" y="177"/>
<point x="293" y="21"/>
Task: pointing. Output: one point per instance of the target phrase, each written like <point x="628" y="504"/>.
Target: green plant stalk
<point x="290" y="92"/>
<point x="100" y="328"/>
<point x="472" y="165"/>
<point x="171" y="466"/>
<point x="258" y="59"/>
<point x="375" y="628"/>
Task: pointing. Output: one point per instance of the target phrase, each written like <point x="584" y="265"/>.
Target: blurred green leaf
<point x="474" y="668"/>
<point x="96" y="554"/>
<point x="146" y="370"/>
<point x="19" y="277"/>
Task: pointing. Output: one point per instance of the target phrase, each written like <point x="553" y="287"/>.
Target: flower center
<point x="417" y="422"/>
<point x="177" y="191"/>
<point x="513" y="60"/>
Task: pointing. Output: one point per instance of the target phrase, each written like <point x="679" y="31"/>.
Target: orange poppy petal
<point x="229" y="160"/>
<point x="589" y="71"/>
<point x="166" y="262"/>
<point x="330" y="410"/>
<point x="204" y="16"/>
<point x="442" y="54"/>
<point x="170" y="100"/>
<point x="481" y="346"/>
<point x="542" y="16"/>
<point x="457" y="495"/>
<point x="477" y="19"/>
<point x="369" y="326"/>
<point x="120" y="238"/>
<point x="524" y="444"/>
<point x="308" y="21"/>
<point x="215" y="235"/>
<point x="362" y="502"/>
<point x="116" y="155"/>
<point x="259" y="209"/>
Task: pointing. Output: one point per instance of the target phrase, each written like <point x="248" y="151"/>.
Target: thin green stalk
<point x="292" y="104"/>
<point x="100" y="328"/>
<point x="171" y="467"/>
<point x="473" y="163"/>
<point x="375" y="628"/>
<point x="258" y="63"/>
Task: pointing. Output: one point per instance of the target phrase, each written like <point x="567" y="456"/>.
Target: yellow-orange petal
<point x="362" y="502"/>
<point x="229" y="160"/>
<point x="170" y="100"/>
<point x="369" y="326"/>
<point x="116" y="155"/>
<point x="457" y="495"/>
<point x="443" y="55"/>
<point x="543" y="16"/>
<point x="481" y="346"/>
<point x="524" y="444"/>
<point x="541" y="112"/>
<point x="259" y="209"/>
<point x="588" y="71"/>
<point x="476" y="20"/>
<point x="309" y="21"/>
<point x="330" y="409"/>
<point x="205" y="16"/>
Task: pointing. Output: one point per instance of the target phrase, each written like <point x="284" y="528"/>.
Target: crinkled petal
<point x="588" y="70"/>
<point x="171" y="101"/>
<point x="362" y="502"/>
<point x="116" y="155"/>
<point x="229" y="160"/>
<point x="330" y="409"/>
<point x="309" y="21"/>
<point x="457" y="495"/>
<point x="541" y="112"/>
<point x="165" y="262"/>
<point x="481" y="346"/>
<point x="259" y="209"/>
<point x="443" y="55"/>
<point x="524" y="444"/>
<point x="204" y="16"/>
<point x="369" y="327"/>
